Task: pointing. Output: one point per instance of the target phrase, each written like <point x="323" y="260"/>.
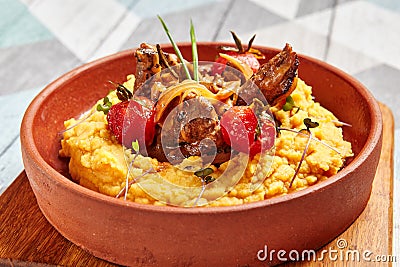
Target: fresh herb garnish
<point x="204" y="172"/>
<point x="195" y="58"/>
<point x="176" y="48"/>
<point x="309" y="124"/>
<point x="105" y="107"/>
<point x="204" y="175"/>
<point x="135" y="146"/>
<point x="209" y="179"/>
<point x="239" y="47"/>
<point x="123" y="93"/>
<point x="279" y="129"/>
<point x="238" y="43"/>
<point x="342" y="123"/>
<point x="289" y="105"/>
<point x="124" y="189"/>
<point x="128" y="184"/>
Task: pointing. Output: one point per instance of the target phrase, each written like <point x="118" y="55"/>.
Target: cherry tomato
<point x="133" y="120"/>
<point x="243" y="132"/>
<point x="246" y="58"/>
<point x="266" y="138"/>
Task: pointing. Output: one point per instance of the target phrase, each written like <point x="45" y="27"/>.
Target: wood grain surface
<point x="27" y="239"/>
<point x="372" y="231"/>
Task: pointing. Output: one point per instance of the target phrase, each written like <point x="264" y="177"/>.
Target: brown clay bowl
<point x="134" y="234"/>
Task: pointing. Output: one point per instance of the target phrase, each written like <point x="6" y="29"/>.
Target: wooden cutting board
<point x="27" y="239"/>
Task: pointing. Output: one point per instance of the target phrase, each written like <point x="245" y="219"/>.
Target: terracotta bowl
<point x="133" y="234"/>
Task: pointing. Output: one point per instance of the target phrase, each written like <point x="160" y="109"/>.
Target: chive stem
<point x="195" y="58"/>
<point x="177" y="51"/>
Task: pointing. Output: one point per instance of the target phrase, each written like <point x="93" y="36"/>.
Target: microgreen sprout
<point x="82" y="119"/>
<point x="342" y="123"/>
<point x="279" y="129"/>
<point x="309" y="124"/>
<point x="128" y="184"/>
<point x="289" y="105"/>
<point x="204" y="175"/>
<point x="209" y="179"/>
<point x="176" y="48"/>
<point x="204" y="172"/>
<point x="135" y="146"/>
<point x="124" y="189"/>
<point x="105" y="107"/>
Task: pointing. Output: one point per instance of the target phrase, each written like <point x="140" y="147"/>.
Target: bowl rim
<point x="30" y="149"/>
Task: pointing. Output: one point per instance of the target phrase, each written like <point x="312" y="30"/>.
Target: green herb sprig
<point x="204" y="172"/>
<point x="176" y="48"/>
<point x="122" y="92"/>
<point x="128" y="184"/>
<point x="309" y="124"/>
<point x="204" y="175"/>
<point x="195" y="57"/>
<point x="105" y="107"/>
<point x="289" y="105"/>
<point x="135" y="146"/>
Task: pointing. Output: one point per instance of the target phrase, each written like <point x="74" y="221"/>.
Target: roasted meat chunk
<point x="151" y="60"/>
<point x="277" y="78"/>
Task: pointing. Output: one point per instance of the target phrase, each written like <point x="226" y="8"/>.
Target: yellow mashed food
<point x="98" y="161"/>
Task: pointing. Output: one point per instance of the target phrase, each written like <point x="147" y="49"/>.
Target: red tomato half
<point x="246" y="58"/>
<point x="132" y="120"/>
<point x="241" y="130"/>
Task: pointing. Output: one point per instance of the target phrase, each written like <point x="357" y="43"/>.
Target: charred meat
<point x="277" y="78"/>
<point x="188" y="114"/>
<point x="151" y="60"/>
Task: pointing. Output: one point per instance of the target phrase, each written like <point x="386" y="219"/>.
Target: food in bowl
<point x="232" y="135"/>
<point x="161" y="232"/>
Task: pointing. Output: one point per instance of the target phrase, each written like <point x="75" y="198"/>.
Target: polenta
<point x="99" y="162"/>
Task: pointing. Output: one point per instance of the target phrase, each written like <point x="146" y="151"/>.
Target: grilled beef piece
<point x="149" y="62"/>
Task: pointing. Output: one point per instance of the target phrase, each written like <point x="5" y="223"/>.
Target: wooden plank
<point x="27" y="238"/>
<point x="26" y="235"/>
<point x="396" y="194"/>
<point x="373" y="230"/>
